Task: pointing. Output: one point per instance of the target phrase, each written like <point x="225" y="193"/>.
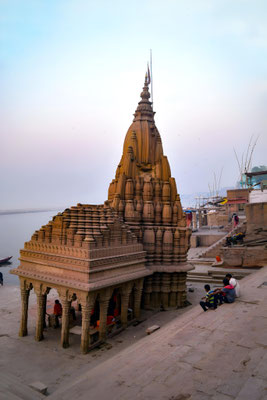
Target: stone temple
<point x="116" y="258"/>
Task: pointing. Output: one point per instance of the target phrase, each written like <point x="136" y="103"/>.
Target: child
<point x="235" y="284"/>
<point x="210" y="301"/>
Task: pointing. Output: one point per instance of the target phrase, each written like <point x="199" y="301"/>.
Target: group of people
<point x="227" y="294"/>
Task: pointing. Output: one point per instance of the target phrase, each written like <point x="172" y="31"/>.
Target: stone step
<point x="175" y="361"/>
<point x="13" y="389"/>
<point x="218" y="244"/>
<point x="197" y="273"/>
<point x="205" y="280"/>
<point x="202" y="261"/>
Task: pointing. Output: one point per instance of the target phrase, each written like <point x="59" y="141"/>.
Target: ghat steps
<point x="11" y="388"/>
<point x="214" y="355"/>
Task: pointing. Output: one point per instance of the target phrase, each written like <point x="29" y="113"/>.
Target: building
<point x="237" y="200"/>
<point x="107" y="256"/>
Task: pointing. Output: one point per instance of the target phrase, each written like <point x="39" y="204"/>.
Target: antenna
<point x="219" y="183"/>
<point x="245" y="163"/>
<point x="239" y="166"/>
<point x="252" y="150"/>
<point x="151" y="77"/>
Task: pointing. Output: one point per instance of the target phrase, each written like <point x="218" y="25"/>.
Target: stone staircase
<point x="11" y="388"/>
<point x="215" y="249"/>
<point x="174" y="362"/>
<point x="215" y="276"/>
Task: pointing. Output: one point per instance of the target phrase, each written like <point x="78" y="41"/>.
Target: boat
<point x="5" y="260"/>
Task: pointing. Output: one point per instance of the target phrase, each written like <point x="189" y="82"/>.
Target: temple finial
<point x="147" y="76"/>
<point x="146" y="83"/>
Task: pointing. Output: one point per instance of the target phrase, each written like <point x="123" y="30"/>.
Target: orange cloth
<point x="109" y="320"/>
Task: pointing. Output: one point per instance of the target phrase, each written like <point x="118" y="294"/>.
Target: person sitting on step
<point x="210" y="300"/>
<point x="227" y="293"/>
<point x="234" y="282"/>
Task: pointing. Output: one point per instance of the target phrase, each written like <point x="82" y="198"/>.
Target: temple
<point x="145" y="196"/>
<point x="116" y="258"/>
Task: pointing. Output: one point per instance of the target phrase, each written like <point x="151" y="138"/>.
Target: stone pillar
<point x="87" y="303"/>
<point x="173" y="288"/>
<point x="25" y="292"/>
<point x="165" y="289"/>
<point x="181" y="295"/>
<point x="103" y="304"/>
<point x="41" y="298"/>
<point x="137" y="298"/>
<point x="147" y="292"/>
<point x="194" y="221"/>
<point x="125" y="294"/>
<point x="155" y="296"/>
<point x="199" y="218"/>
<point x="65" y="322"/>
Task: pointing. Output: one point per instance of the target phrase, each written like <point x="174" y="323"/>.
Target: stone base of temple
<point x="165" y="290"/>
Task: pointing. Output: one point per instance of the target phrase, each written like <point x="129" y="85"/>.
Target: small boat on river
<point x="5" y="260"/>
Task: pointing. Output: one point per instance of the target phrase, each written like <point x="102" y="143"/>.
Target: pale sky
<point x="71" y="73"/>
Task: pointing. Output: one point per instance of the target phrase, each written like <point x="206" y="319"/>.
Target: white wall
<point x="258" y="196"/>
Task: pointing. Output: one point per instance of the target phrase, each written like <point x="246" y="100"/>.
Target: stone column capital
<point x="41" y="289"/>
<point x="87" y="299"/>
<point x="25" y="284"/>
<point x="66" y="295"/>
<point x="105" y="295"/>
<point x="139" y="284"/>
<point x="126" y="289"/>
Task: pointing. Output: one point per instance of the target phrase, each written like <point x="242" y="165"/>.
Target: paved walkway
<point x="216" y="355"/>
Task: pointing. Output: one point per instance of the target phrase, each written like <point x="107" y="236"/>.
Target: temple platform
<point x="215" y="355"/>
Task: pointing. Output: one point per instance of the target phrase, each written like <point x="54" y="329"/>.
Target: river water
<point x="15" y="230"/>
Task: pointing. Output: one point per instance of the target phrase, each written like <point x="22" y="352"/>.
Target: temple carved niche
<point x="145" y="196"/>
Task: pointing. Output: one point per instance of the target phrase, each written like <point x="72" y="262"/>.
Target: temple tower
<point x="145" y="196"/>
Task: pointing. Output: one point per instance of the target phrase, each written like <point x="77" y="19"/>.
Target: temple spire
<point x="144" y="108"/>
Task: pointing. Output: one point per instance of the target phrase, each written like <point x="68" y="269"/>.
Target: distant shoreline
<point x="11" y="212"/>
